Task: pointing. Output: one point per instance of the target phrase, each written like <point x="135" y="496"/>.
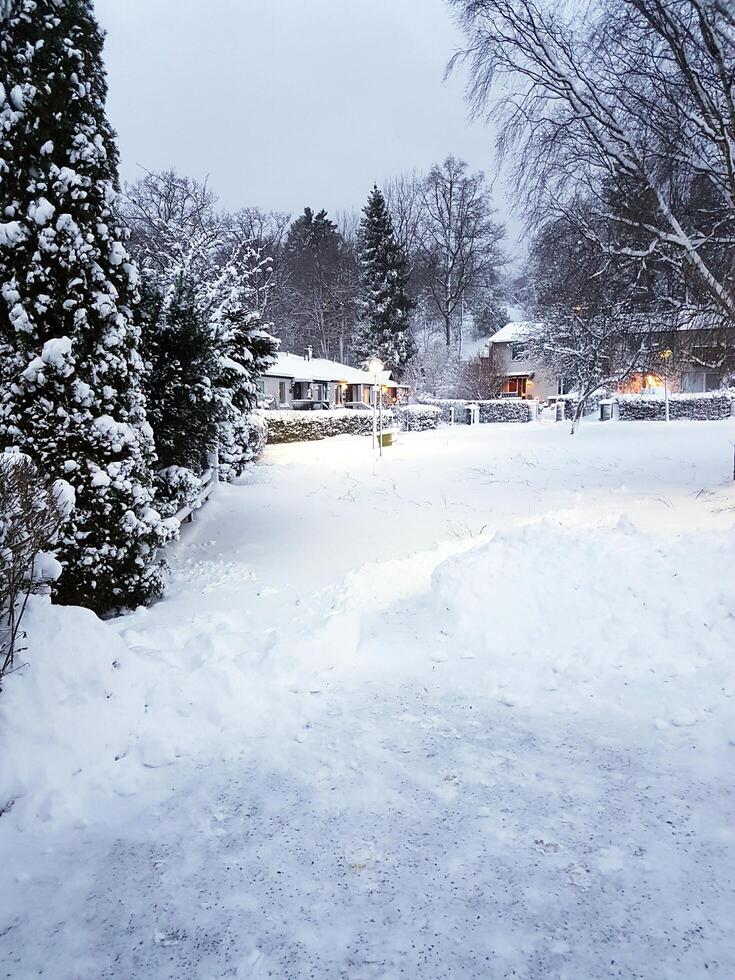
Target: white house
<point x="305" y="382"/>
<point x="522" y="376"/>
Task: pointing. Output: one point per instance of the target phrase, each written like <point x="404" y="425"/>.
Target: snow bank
<point x="603" y="619"/>
<point x="69" y="718"/>
<point x="97" y="709"/>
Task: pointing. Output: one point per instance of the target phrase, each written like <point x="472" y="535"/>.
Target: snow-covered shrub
<point x="491" y="410"/>
<point x="242" y="439"/>
<point x="294" y="426"/>
<point x="418" y="418"/>
<point x="32" y="512"/>
<point x="700" y="407"/>
<point x="204" y="340"/>
<point x="176" y="486"/>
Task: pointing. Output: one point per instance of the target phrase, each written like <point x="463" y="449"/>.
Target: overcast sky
<point x="286" y="103"/>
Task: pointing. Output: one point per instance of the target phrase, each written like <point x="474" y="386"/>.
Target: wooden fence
<point x="210" y="479"/>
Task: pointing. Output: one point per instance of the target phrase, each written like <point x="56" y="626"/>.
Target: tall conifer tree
<point x="69" y="361"/>
<point x="383" y="326"/>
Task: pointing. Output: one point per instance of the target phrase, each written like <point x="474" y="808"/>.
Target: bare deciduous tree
<point x="32" y="513"/>
<point x="629" y="108"/>
<point x="459" y="239"/>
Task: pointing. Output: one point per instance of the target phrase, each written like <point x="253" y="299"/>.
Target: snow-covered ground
<point x="467" y="711"/>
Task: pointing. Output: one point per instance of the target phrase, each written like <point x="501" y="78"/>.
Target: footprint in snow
<point x="685" y="719"/>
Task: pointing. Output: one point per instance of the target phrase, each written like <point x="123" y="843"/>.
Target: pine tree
<point x="383" y="326"/>
<point x="70" y="367"/>
<point x="181" y="360"/>
<point x="318" y="297"/>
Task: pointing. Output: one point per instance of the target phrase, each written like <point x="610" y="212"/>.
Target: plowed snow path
<point x="335" y="778"/>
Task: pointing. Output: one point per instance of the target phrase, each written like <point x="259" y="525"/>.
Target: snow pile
<point x="92" y="713"/>
<point x="71" y="716"/>
<point x="597" y="620"/>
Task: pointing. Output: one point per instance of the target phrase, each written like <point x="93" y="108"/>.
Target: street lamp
<point x="665" y="355"/>
<point x="376" y="367"/>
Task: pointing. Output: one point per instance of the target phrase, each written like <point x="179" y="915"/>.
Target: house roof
<point x="321" y="369"/>
<point x="514" y="331"/>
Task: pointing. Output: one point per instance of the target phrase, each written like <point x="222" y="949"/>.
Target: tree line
<point x="433" y="239"/>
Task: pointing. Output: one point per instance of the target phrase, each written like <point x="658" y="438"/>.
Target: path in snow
<point x="333" y="786"/>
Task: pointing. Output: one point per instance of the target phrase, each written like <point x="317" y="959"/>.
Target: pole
<point x="666" y="396"/>
<point x="375" y="409"/>
<point x="380" y="416"/>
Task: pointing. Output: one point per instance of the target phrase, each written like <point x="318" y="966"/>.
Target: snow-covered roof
<point x="514" y="331"/>
<point x="319" y="369"/>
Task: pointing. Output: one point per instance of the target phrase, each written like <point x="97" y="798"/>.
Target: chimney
<point x="309" y="352"/>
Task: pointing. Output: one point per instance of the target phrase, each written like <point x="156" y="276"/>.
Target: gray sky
<point x="287" y="102"/>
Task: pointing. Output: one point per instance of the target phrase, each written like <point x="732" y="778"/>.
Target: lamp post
<point x="375" y="367"/>
<point x="665" y="356"/>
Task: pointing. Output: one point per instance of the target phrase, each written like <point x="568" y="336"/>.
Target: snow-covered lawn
<point x="467" y="711"/>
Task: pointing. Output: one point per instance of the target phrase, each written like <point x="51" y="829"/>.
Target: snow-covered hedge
<point x="294" y="426"/>
<point x="242" y="439"/>
<point x="707" y="406"/>
<point x="491" y="410"/>
<point x="418" y="418"/>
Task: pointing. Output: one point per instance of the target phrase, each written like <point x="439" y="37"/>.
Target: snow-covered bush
<point x="176" y="486"/>
<point x="294" y="426"/>
<point x="204" y="341"/>
<point x="418" y="418"/>
<point x="32" y="512"/>
<point x="702" y="407"/>
<point x="242" y="439"/>
<point x="491" y="410"/>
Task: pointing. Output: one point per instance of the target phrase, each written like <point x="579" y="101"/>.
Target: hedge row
<point x="418" y="418"/>
<point x="705" y="407"/>
<point x="491" y="410"/>
<point x="294" y="426"/>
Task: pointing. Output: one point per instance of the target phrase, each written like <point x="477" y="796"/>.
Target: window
<point x="515" y="387"/>
<point x="699" y="381"/>
<point x="518" y="352"/>
<point x="563" y="386"/>
<point x="281" y="392"/>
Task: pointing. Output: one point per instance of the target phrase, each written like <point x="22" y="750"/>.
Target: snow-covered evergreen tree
<point x="205" y="344"/>
<point x="70" y="394"/>
<point x="246" y="350"/>
<point x="383" y="326"/>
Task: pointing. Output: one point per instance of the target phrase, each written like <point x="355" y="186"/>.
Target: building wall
<point x="272" y="387"/>
<point x="544" y="385"/>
